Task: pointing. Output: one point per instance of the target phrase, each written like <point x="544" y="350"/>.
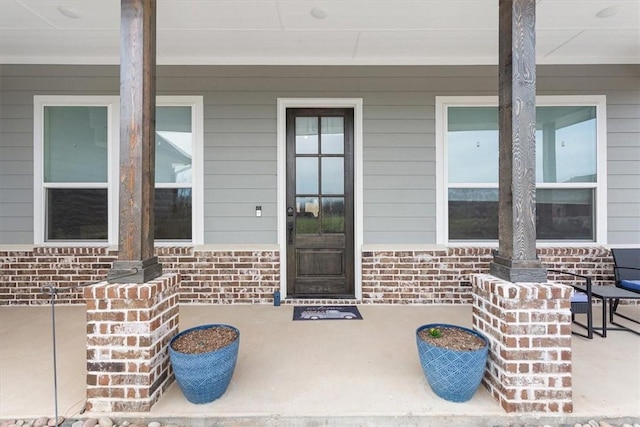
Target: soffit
<point x="353" y="32"/>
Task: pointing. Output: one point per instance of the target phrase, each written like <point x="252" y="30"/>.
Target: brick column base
<point x="128" y="331"/>
<point x="529" y="326"/>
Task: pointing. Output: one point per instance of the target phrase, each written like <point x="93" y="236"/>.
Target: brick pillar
<point x="529" y="326"/>
<point x="128" y="331"/>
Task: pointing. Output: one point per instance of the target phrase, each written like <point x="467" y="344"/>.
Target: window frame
<point x="112" y="103"/>
<point x="197" y="162"/>
<point x="600" y="186"/>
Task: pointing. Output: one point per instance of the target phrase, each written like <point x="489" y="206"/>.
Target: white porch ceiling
<point x="353" y="32"/>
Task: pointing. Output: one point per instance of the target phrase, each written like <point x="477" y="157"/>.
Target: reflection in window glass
<point x="306" y="135"/>
<point x="332" y="175"/>
<point x="473" y="213"/>
<point x="307" y="215"/>
<point x="472" y="144"/>
<point x="173" y="213"/>
<point x="565" y="214"/>
<point x="333" y="215"/>
<point x="174" y="144"/>
<point x="566" y="142"/>
<point x="75" y="151"/>
<point x="566" y="155"/>
<point x="307" y="175"/>
<point x="174" y="168"/>
<point x="77" y="214"/>
<point x="75" y="144"/>
<point x="332" y="135"/>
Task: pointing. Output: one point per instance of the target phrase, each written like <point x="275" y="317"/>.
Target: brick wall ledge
<point x="30" y="247"/>
<point x="207" y="247"/>
<point x="235" y="247"/>
<point x="375" y="247"/>
<point x="275" y="247"/>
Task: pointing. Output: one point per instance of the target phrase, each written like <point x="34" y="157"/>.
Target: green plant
<point x="435" y="333"/>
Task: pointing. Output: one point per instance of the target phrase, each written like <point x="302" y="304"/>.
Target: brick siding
<point x="438" y="276"/>
<point x="529" y="328"/>
<point x="129" y="327"/>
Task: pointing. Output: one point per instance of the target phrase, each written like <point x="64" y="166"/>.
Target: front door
<point x="320" y="238"/>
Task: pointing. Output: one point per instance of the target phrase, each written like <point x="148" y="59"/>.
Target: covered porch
<point x="359" y="372"/>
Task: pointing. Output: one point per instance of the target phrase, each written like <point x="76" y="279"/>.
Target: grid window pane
<point x="174" y="144"/>
<point x="306" y="135"/>
<point x="332" y="175"/>
<point x="77" y="214"/>
<point x="473" y="213"/>
<point x="566" y="144"/>
<point x="173" y="213"/>
<point x="75" y="144"/>
<point x="332" y="135"/>
<point x="333" y="214"/>
<point x="307" y="175"/>
<point x="565" y="214"/>
<point x="307" y="215"/>
<point x="472" y="145"/>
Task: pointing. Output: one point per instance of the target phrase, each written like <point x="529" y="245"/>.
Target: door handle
<point x="290" y="229"/>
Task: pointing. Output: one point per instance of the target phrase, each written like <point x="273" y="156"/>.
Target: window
<point x="570" y="159"/>
<point x="77" y="169"/>
<point x="174" y="171"/>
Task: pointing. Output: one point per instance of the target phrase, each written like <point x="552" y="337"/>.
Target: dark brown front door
<point x="319" y="213"/>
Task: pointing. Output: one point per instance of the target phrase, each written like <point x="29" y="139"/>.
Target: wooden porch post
<point x="137" y="144"/>
<point x="516" y="259"/>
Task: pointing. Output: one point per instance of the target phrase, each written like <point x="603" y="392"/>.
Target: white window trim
<point x="356" y="104"/>
<point x="39" y="217"/>
<point x="197" y="176"/>
<point x="598" y="101"/>
<point x="113" y="105"/>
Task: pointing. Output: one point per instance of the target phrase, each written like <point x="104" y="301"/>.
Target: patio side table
<point x="606" y="294"/>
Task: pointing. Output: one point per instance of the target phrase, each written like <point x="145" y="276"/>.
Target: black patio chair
<point x="581" y="302"/>
<point x="627" y="273"/>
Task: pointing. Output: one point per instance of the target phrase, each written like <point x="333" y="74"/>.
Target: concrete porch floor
<point x="357" y="372"/>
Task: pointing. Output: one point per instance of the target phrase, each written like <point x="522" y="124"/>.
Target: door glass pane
<point x="75" y="144"/>
<point x="332" y="175"/>
<point x="566" y="141"/>
<point x="174" y="144"/>
<point x="173" y="213"/>
<point x="472" y="144"/>
<point x="565" y="214"/>
<point x="332" y="135"/>
<point x="77" y="214"/>
<point x="333" y="215"/>
<point x="307" y="211"/>
<point x="307" y="175"/>
<point x="473" y="213"/>
<point x="306" y="135"/>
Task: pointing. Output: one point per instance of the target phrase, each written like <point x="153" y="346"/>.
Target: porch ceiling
<point x="342" y="32"/>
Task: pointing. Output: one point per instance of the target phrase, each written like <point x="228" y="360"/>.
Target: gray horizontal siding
<point x="240" y="164"/>
<point x="623" y="160"/>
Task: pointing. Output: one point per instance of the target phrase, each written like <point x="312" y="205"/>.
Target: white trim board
<point x="356" y="104"/>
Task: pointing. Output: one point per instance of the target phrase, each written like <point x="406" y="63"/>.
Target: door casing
<point x="356" y="105"/>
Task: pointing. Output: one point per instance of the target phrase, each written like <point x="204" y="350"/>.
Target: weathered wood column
<point x="516" y="260"/>
<point x="137" y="144"/>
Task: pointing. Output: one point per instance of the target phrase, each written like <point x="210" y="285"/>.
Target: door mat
<point x="326" y="312"/>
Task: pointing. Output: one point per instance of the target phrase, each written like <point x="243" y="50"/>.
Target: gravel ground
<point x="109" y="422"/>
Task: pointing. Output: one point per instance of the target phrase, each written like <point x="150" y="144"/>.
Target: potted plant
<point x="453" y="359"/>
<point x="203" y="360"/>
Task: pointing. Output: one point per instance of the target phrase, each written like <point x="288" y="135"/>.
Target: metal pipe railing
<point x="53" y="291"/>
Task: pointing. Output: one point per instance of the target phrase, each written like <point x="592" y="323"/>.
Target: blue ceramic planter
<point x="204" y="377"/>
<point x="453" y="375"/>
